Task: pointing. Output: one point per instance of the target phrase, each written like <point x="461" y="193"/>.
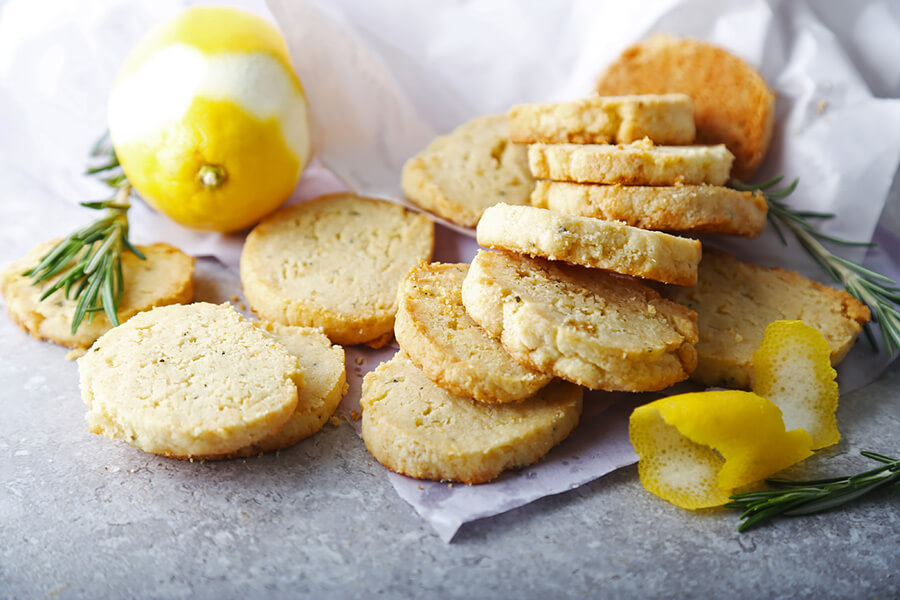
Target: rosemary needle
<point x="880" y="293"/>
<point x="798" y="498"/>
<point x="87" y="264"/>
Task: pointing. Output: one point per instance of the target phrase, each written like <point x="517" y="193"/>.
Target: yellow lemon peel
<point x="792" y="368"/>
<point x="695" y="449"/>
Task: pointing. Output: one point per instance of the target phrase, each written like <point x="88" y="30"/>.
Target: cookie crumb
<point x="335" y="421"/>
<point x="75" y="354"/>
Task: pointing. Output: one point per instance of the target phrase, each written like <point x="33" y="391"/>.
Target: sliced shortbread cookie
<point x="413" y="427"/>
<point x="732" y="103"/>
<point x="334" y="262"/>
<point x="188" y="380"/>
<point x="690" y="209"/>
<point x="460" y="174"/>
<point x="594" y="328"/>
<point x="735" y="301"/>
<point x="434" y="330"/>
<point x="324" y="384"/>
<point x="590" y="242"/>
<point x="640" y="163"/>
<point x="165" y="277"/>
<point x="664" y="118"/>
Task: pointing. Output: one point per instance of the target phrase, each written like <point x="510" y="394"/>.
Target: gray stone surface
<point x="83" y="517"/>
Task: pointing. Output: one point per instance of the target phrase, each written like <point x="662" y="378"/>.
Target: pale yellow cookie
<point x="166" y="277"/>
<point x="413" y="427"/>
<point x="435" y="332"/>
<point x="692" y="209"/>
<point x="460" y="174"/>
<point x="735" y="301"/>
<point x="188" y="380"/>
<point x="334" y="262"/>
<point x="664" y="118"/>
<point x="639" y="163"/>
<point x="732" y="102"/>
<point x="324" y="384"/>
<point x="594" y="328"/>
<point x="590" y="242"/>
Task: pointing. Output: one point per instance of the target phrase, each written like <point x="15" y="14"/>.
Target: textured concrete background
<point x="83" y="517"/>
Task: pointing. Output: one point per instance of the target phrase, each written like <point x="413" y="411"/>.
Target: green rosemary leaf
<point x="87" y="264"/>
<point x="800" y="498"/>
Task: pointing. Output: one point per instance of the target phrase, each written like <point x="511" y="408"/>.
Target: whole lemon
<point x="209" y="121"/>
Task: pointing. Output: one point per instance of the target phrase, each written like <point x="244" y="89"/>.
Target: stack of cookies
<point x="626" y="159"/>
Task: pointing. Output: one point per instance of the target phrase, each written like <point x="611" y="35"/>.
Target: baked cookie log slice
<point x="735" y="301"/>
<point x="324" y="384"/>
<point x="460" y="174"/>
<point x="664" y="118"/>
<point x="732" y="103"/>
<point x="594" y="328"/>
<point x="440" y="338"/>
<point x="590" y="242"/>
<point x="188" y="380"/>
<point x="690" y="209"/>
<point x="334" y="262"/>
<point x="639" y="163"/>
<point x="413" y="427"/>
<point x="165" y="277"/>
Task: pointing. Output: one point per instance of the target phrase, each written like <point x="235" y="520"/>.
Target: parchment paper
<point x="384" y="77"/>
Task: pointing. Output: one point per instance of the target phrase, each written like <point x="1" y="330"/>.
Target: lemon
<point x="209" y="120"/>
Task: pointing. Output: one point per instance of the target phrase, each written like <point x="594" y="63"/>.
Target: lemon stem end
<point x="211" y="176"/>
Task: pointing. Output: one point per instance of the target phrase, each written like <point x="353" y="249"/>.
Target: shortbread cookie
<point x="459" y="175"/>
<point x="597" y="329"/>
<point x="735" y="301"/>
<point x="413" y="427"/>
<point x="732" y="103"/>
<point x="640" y="163"/>
<point x="590" y="242"/>
<point x="188" y="380"/>
<point x="324" y="384"/>
<point x="664" y="118"/>
<point x="692" y="209"/>
<point x="165" y="277"/>
<point x="435" y="332"/>
<point x="334" y="262"/>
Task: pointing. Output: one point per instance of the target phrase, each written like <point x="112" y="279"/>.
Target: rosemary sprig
<point x="797" y="498"/>
<point x="880" y="293"/>
<point x="87" y="264"/>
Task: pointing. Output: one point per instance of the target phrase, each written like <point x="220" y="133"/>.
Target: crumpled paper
<point x="384" y="78"/>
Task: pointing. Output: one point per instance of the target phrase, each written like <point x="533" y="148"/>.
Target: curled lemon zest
<point x="792" y="368"/>
<point x="695" y="449"/>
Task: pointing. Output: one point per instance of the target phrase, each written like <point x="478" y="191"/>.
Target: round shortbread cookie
<point x="413" y="427"/>
<point x="165" y="277"/>
<point x="590" y="242"/>
<point x="593" y="328"/>
<point x="732" y="103"/>
<point x="692" y="209"/>
<point x="188" y="380"/>
<point x="334" y="262"/>
<point x="324" y="384"/>
<point x="460" y="174"/>
<point x="664" y="118"/>
<point x="639" y="163"/>
<point x="435" y="332"/>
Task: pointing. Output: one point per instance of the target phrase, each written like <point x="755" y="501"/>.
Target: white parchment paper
<point x="384" y="78"/>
